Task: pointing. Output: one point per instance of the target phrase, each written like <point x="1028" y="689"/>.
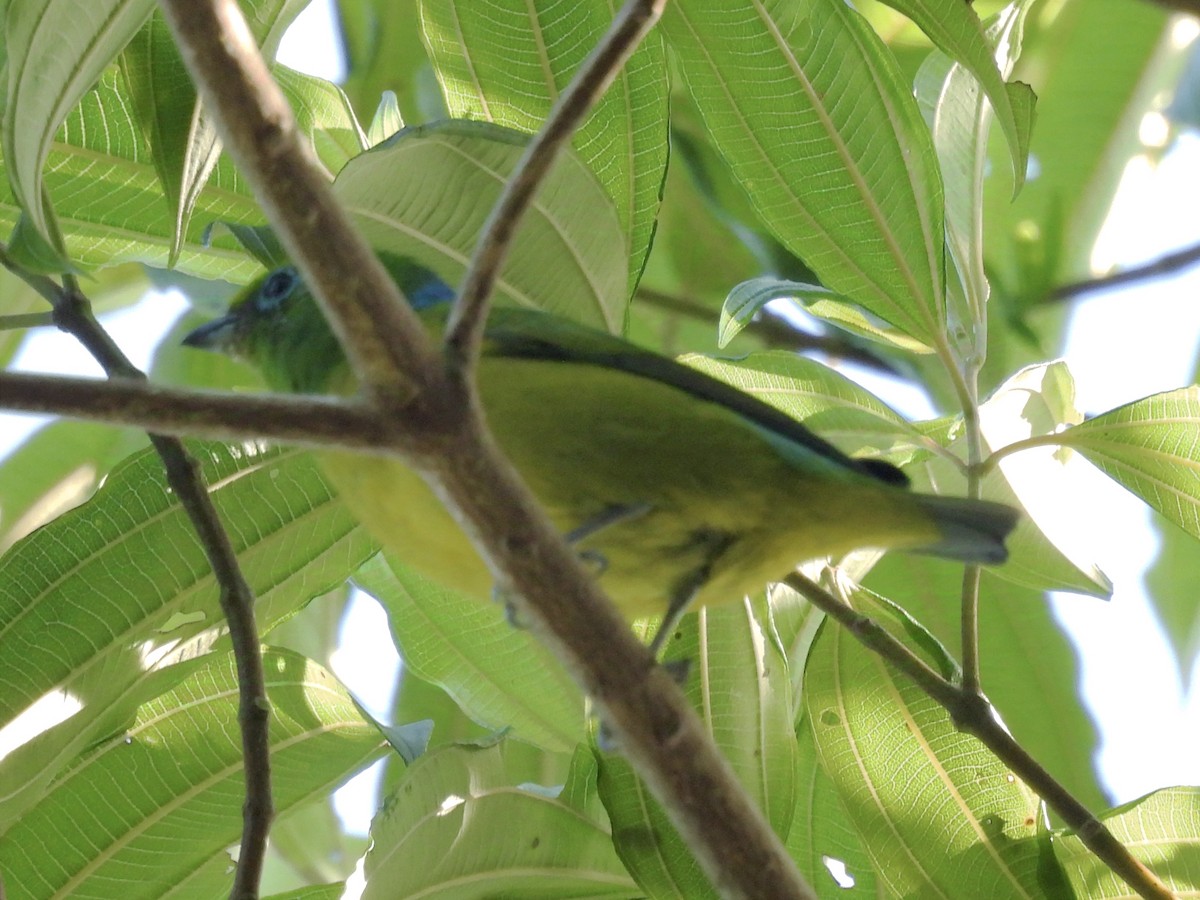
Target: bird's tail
<point x="972" y="530"/>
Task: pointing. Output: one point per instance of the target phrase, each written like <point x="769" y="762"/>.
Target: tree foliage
<point x="894" y="177"/>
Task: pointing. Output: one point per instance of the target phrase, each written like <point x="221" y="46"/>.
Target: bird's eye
<point x="277" y="288"/>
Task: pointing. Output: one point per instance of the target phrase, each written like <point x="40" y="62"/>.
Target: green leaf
<point x="956" y="30"/>
<point x="959" y="118"/>
<point x="1150" y="447"/>
<point x="812" y="115"/>
<point x="92" y="603"/>
<point x="508" y="61"/>
<point x="316" y="892"/>
<point x="427" y="191"/>
<point x="939" y="815"/>
<point x="382" y="46"/>
<point x="1161" y="830"/>
<point x="738" y="681"/>
<point x="324" y="116"/>
<point x="1047" y="551"/>
<point x="56" y="50"/>
<point x="108" y="199"/>
<point x="1030" y="669"/>
<point x="386" y="121"/>
<point x="174" y="780"/>
<point x="458" y="819"/>
<point x="56" y="469"/>
<point x="747" y="298"/>
<point x="181" y="135"/>
<point x="822" y="832"/>
<point x="500" y="676"/>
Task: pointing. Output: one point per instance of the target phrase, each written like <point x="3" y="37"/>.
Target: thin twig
<point x="72" y="312"/>
<point x="26" y="320"/>
<point x="447" y="441"/>
<point x="774" y="331"/>
<point x="875" y="637"/>
<point x="1166" y="264"/>
<point x="465" y="329"/>
<point x="974" y="715"/>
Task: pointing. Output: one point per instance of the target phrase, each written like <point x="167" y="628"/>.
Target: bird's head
<point x="276" y="325"/>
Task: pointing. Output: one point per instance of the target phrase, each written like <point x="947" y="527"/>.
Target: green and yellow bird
<point x="679" y="488"/>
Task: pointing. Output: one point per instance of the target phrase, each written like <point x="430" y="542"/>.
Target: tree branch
<point x="972" y="713"/>
<point x="307" y="421"/>
<point x="1166" y="264"/>
<point x="447" y="441"/>
<point x="72" y="313"/>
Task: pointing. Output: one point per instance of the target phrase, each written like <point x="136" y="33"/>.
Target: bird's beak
<point x="215" y="335"/>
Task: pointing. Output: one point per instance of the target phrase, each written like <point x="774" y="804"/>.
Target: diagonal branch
<point x="972" y="713"/>
<point x="447" y="441"/>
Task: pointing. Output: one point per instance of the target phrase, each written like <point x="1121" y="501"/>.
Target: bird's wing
<point x="530" y="334"/>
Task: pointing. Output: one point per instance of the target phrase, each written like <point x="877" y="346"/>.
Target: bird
<point x="677" y="489"/>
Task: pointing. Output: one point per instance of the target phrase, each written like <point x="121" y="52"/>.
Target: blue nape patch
<point x="429" y="292"/>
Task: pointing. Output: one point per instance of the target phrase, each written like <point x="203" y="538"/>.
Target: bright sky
<point x="1150" y="725"/>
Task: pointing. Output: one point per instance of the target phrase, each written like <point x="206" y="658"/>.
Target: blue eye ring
<point x="277" y="287"/>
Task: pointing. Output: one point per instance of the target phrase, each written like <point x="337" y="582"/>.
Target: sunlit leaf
<point x="1161" y="830"/>
<point x="91" y="603"/>
<point x="500" y="676"/>
<point x="1030" y="668"/>
<point x="507" y="61"/>
<point x="938" y="813"/>
<point x="1152" y="447"/>
<point x="438" y="830"/>
<point x="822" y="835"/>
<point x="959" y="117"/>
<point x="56" y="50"/>
<point x="151" y="804"/>
<point x="814" y="119"/>
<point x="427" y="191"/>
<point x="955" y="28"/>
<point x="738" y="682"/>
<point x="747" y="298"/>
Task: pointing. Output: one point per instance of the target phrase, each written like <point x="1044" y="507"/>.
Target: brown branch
<point x="974" y="715"/>
<point x="632" y="23"/>
<point x="72" y="313"/>
<point x="446" y="440"/>
<point x="306" y="421"/>
<point x="1166" y="264"/>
